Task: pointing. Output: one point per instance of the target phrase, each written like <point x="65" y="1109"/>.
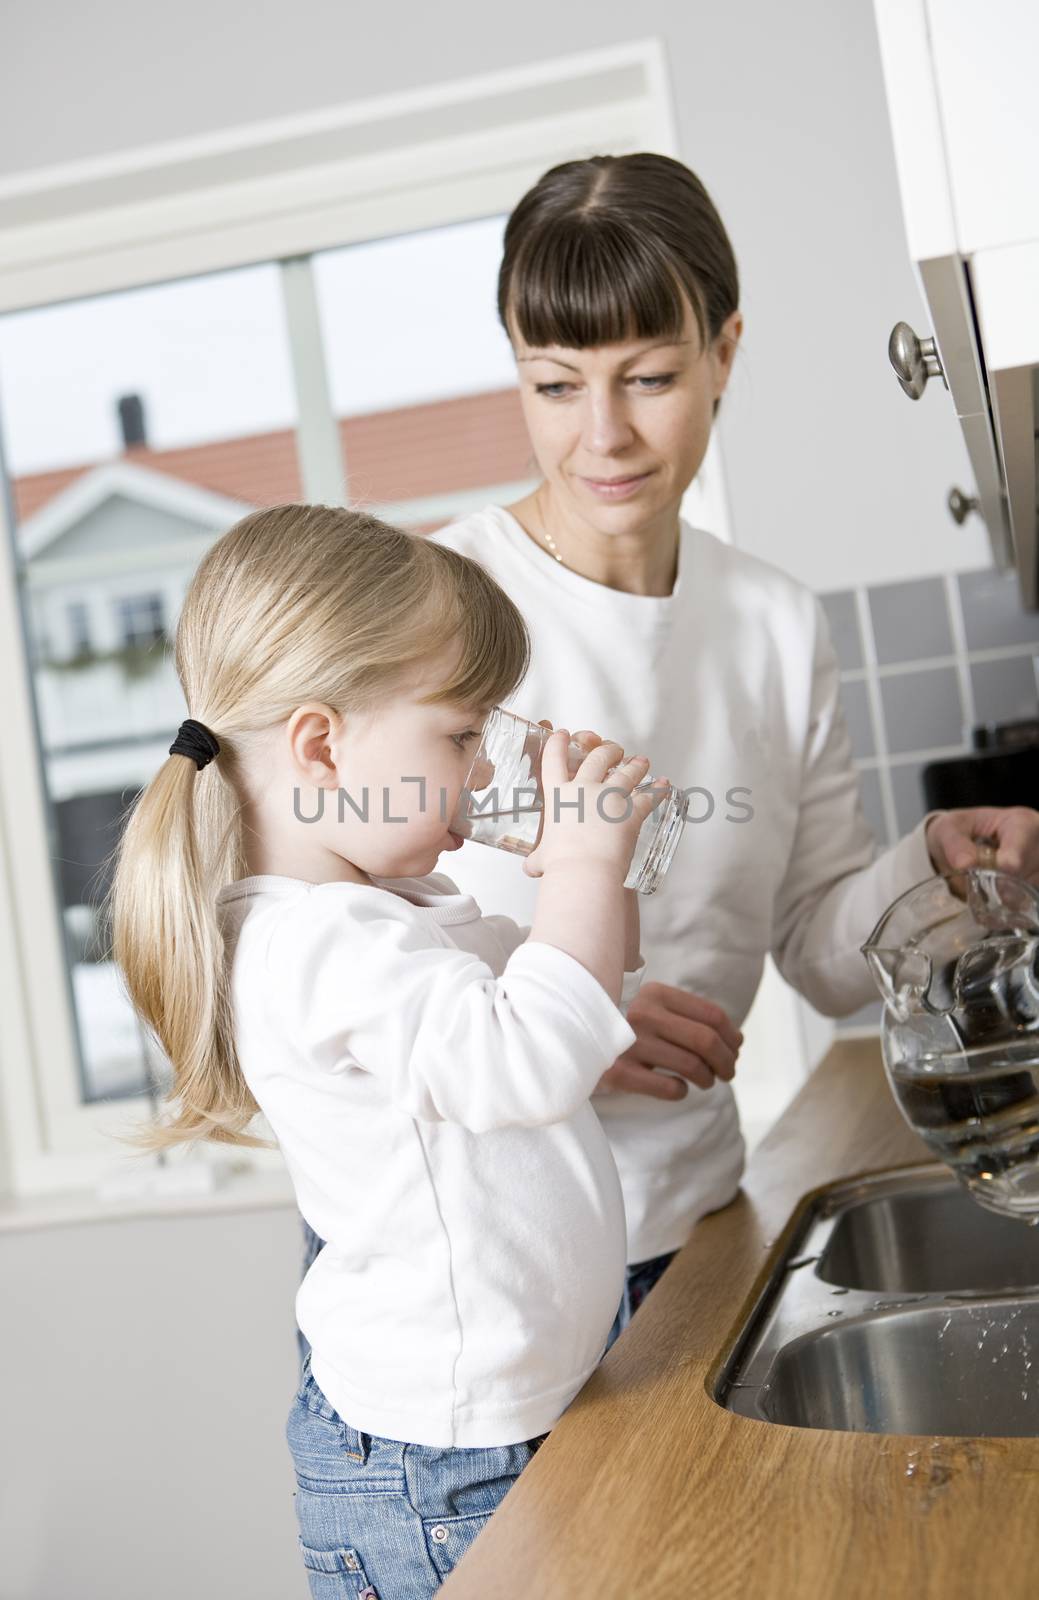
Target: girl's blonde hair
<point x="294" y="603"/>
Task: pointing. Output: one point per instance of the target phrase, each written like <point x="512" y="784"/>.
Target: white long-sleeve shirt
<point x="427" y="1074"/>
<point x="728" y="683"/>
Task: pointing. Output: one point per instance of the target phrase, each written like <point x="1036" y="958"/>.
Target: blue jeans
<point x="383" y="1520"/>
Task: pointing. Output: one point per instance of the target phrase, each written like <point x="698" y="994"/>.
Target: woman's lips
<point x="615" y="488"/>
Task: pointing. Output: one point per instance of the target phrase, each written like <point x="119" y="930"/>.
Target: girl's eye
<point x="461" y="739"/>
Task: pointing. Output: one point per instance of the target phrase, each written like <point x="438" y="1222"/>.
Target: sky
<point x="404" y="320"/>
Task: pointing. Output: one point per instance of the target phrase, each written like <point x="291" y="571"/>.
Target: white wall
<point x="146" y="1372"/>
<point x="832" y="472"/>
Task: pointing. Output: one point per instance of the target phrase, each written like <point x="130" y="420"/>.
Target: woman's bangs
<point x="580" y="285"/>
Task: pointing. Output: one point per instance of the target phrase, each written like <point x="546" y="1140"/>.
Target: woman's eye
<point x="554" y="391"/>
<point x="653" y="384"/>
<point x="461" y="739"/>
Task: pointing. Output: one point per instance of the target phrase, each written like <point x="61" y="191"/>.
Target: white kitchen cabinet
<point x="960" y="82"/>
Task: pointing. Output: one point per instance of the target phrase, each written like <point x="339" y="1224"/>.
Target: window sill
<point x="235" y="1188"/>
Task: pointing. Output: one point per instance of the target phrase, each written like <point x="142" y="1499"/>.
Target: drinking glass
<point x="502" y="800"/>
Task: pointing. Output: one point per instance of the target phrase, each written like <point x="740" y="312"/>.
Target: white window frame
<point x="129" y="610"/>
<point x="270" y="191"/>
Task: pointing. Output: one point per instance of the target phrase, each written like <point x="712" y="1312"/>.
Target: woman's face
<point x="620" y="431"/>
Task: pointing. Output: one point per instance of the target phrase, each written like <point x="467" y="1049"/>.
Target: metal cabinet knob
<point x="914" y="360"/>
<point x="961" y="505"/>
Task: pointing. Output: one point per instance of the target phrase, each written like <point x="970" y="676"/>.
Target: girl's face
<point x="620" y="431"/>
<point x="409" y="763"/>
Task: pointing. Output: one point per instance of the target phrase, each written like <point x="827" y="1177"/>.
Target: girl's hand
<point x="632" y="930"/>
<point x="594" y="816"/>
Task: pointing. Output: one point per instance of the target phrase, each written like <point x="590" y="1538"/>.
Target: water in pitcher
<point x="983" y="1123"/>
<point x="977" y="1105"/>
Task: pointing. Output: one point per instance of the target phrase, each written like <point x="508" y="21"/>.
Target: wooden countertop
<point x="646" y="1487"/>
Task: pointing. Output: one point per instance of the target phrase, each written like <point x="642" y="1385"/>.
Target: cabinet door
<point x="984" y="61"/>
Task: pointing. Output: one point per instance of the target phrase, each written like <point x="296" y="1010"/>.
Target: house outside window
<point x="141" y="621"/>
<point x="78" y="619"/>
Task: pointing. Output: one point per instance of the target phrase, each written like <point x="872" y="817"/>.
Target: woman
<point x="619" y="292"/>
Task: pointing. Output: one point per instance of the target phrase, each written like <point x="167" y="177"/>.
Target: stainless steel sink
<point x="962" y="1370"/>
<point x="928" y="1239"/>
<point x="900" y="1306"/>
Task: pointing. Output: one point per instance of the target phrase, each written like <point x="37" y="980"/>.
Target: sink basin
<point x="899" y="1306"/>
<point x="927" y="1239"/>
<point x="965" y="1370"/>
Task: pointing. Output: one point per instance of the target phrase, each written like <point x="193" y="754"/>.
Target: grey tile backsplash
<point x="907" y="792"/>
<point x="922" y="710"/>
<point x="1004" y="691"/>
<point x="992" y="614"/>
<point x="910" y="621"/>
<point x="982" y="666"/>
<point x="842" y="615"/>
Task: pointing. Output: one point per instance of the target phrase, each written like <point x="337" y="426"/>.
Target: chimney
<point x="131" y="421"/>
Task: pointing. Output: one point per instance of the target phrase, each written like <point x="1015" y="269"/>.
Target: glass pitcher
<point x="956" y="960"/>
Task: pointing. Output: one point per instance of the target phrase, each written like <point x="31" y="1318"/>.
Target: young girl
<point x="425" y="1069"/>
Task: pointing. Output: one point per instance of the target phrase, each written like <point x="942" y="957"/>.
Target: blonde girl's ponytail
<point x="294" y="603"/>
<point x="180" y="839"/>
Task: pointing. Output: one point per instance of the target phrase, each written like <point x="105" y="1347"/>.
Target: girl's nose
<point x="481" y="775"/>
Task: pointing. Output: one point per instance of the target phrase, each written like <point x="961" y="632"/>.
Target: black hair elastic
<point x="195" y="740"/>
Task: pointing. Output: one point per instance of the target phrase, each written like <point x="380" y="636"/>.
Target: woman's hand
<point x="957" y="840"/>
<point x="679" y="1031"/>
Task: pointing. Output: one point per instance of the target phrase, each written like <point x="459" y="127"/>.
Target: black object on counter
<point x="999" y="777"/>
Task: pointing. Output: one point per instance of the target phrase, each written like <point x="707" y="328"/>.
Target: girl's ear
<point x="311" y="732"/>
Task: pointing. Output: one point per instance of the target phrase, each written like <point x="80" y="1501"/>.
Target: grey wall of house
<point x="146" y="1372"/>
<point x="832" y="472"/>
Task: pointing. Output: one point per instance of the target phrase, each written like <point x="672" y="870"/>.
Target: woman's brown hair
<point x="609" y="249"/>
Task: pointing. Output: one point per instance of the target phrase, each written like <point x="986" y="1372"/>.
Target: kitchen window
<point x="231" y="322"/>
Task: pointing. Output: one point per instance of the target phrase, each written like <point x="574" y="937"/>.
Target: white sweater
<point x="426" y="1074"/>
<point x="730" y="682"/>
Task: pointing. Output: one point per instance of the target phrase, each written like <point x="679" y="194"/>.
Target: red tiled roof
<point x="405" y="454"/>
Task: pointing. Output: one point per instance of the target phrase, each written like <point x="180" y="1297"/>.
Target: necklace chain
<point x="550" y="542"/>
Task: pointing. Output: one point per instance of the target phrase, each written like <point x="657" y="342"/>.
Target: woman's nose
<point x="607" y="428"/>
